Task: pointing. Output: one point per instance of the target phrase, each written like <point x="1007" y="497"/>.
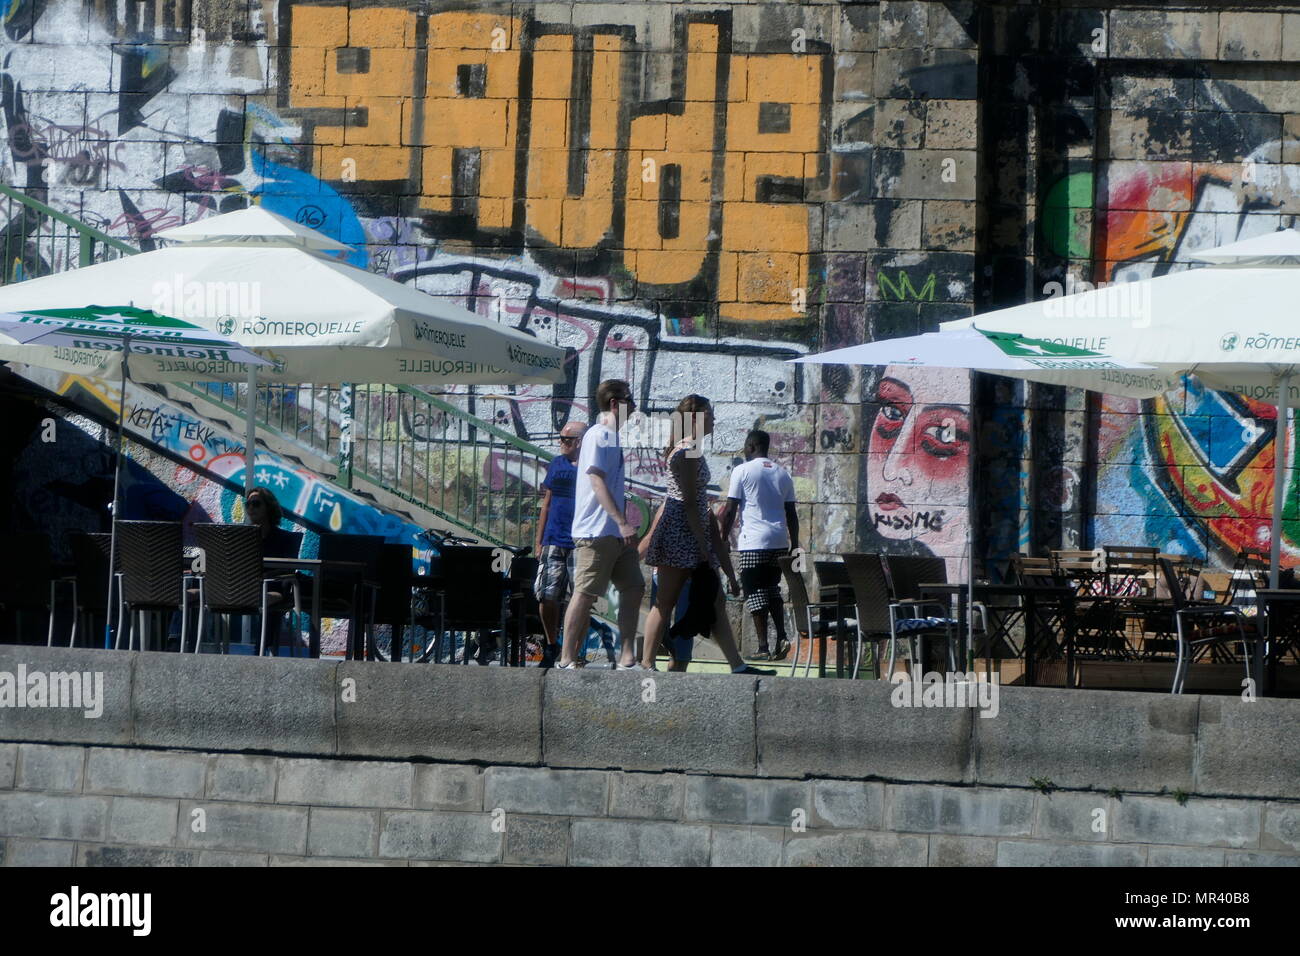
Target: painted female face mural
<point x="918" y="460"/>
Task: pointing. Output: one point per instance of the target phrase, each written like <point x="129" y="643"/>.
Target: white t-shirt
<point x="600" y="449"/>
<point x="762" y="487"/>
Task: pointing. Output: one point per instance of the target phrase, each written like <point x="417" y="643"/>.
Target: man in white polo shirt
<point x="604" y="542"/>
<point x="769" y="528"/>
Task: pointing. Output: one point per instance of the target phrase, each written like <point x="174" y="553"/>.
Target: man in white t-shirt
<point x="769" y="528"/>
<point x="604" y="543"/>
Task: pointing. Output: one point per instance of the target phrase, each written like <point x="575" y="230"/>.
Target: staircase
<point x="411" y="453"/>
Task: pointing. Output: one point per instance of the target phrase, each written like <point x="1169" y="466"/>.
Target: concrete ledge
<point x="1081" y="739"/>
<point x="1248" y="748"/>
<point x="69" y="724"/>
<point x="675" y="722"/>
<point x="722" y="725"/>
<point x="492" y="715"/>
<point x="213" y="702"/>
<point x="851" y="729"/>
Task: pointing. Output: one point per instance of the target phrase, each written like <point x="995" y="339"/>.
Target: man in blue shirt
<point x="554" y="543"/>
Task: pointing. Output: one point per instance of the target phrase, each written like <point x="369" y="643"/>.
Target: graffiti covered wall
<point x="1134" y="138"/>
<point x="682" y="195"/>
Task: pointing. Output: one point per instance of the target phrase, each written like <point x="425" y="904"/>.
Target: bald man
<point x="554" y="544"/>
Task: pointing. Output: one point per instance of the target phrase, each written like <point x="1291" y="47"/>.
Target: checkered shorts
<point x="760" y="577"/>
<point x="554" y="581"/>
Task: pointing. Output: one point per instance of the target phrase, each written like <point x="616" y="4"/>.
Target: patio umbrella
<point x="271" y="285"/>
<point x="103" y="341"/>
<point x="1228" y="323"/>
<point x="1001" y="353"/>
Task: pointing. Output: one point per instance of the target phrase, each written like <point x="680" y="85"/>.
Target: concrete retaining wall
<point x="238" y="760"/>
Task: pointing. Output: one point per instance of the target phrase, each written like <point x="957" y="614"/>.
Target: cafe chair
<point x="1199" y="627"/>
<point x="909" y="615"/>
<point x="26" y="579"/>
<point x="233" y="581"/>
<point x="153" y="567"/>
<point x="347" y="596"/>
<point x="525" y="615"/>
<point x="866" y="573"/>
<point x="90" y="591"/>
<point x="801" y="608"/>
<point x="466" y="594"/>
<point x="393" y="607"/>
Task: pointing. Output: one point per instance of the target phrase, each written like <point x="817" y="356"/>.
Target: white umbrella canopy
<point x="269" y="284"/>
<point x="251" y="226"/>
<point x="1229" y="323"/>
<point x="985" y="351"/>
<point x="317" y="319"/>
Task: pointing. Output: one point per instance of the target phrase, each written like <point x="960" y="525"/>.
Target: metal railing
<point x="38" y="240"/>
<point x="417" y="446"/>
<point x="414" y="445"/>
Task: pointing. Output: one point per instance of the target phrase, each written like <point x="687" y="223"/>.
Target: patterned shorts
<point x="554" y="581"/>
<point x="760" y="577"/>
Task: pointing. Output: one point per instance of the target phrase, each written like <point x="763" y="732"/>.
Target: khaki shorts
<point x="600" y="561"/>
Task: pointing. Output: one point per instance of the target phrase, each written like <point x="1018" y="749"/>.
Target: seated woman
<point x="263" y="509"/>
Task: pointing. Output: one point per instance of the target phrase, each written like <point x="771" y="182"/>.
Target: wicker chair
<point x="871" y="594"/>
<point x="233" y="581"/>
<point x="153" y="568"/>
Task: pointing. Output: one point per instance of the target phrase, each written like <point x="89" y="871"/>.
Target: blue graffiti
<point x="300" y="196"/>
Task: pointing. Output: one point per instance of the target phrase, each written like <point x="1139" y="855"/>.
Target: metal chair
<point x="348" y="597"/>
<point x="26" y="578"/>
<point x="871" y="595"/>
<point x="393" y="607"/>
<point x="90" y="590"/>
<point x="153" y="568"/>
<point x="906" y="575"/>
<point x="525" y="615"/>
<point x="809" y="619"/>
<point x="1204" y="627"/>
<point x="467" y="595"/>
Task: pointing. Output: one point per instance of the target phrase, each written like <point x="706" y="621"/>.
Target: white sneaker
<point x="635" y="667"/>
<point x="571" y="666"/>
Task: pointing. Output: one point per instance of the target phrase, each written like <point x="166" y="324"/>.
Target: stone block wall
<point x="223" y="761"/>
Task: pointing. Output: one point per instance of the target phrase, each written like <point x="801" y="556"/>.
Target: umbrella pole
<point x="1279" y="475"/>
<point x="250" y="429"/>
<point x="117" y="489"/>
<point x="972" y="461"/>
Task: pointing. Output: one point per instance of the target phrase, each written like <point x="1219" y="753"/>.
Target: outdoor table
<point x="1281" y="608"/>
<point x="1002" y="617"/>
<point x="322" y="570"/>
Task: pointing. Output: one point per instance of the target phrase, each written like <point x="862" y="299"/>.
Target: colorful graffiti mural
<point x="678" y="196"/>
<point x="1191" y="471"/>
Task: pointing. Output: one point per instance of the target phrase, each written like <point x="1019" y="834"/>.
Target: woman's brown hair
<point x="684" y="413"/>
